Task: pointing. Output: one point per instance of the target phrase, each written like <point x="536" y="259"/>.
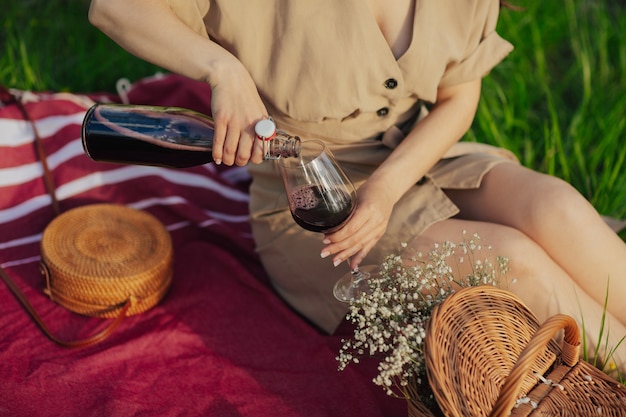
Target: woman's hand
<point x="446" y="123"/>
<point x="138" y="26"/>
<point x="363" y="230"/>
<point x="236" y="108"/>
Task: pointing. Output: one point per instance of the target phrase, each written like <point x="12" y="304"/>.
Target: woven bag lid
<point x="97" y="257"/>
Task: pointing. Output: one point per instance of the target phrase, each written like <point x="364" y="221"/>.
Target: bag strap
<point x="90" y="341"/>
<point x="9" y="98"/>
<point x="41" y="152"/>
<point x="570" y="352"/>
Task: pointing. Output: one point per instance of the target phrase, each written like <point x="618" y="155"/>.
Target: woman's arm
<point x="422" y="148"/>
<point x="150" y="30"/>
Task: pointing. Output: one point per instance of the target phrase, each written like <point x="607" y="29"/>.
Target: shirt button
<point x="391" y="83"/>
<point x="382" y="112"/>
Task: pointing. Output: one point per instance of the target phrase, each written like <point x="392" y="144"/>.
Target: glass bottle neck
<point x="282" y="146"/>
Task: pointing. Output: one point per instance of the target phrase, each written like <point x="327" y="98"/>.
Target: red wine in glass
<point x="321" y="210"/>
<point x="322" y="199"/>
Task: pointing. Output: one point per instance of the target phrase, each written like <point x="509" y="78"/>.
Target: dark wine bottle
<point x="165" y="136"/>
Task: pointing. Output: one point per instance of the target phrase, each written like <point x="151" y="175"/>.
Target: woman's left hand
<point x="424" y="145"/>
<point x="367" y="225"/>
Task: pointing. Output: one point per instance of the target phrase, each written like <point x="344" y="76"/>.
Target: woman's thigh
<point x="527" y="200"/>
<point x="556" y="217"/>
<point x="495" y="240"/>
<point x="534" y="276"/>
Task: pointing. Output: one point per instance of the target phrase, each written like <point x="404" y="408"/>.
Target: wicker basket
<point x="487" y="355"/>
<point x="415" y="405"/>
<point x="97" y="258"/>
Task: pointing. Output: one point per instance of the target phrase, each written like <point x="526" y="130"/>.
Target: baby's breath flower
<point x="391" y="319"/>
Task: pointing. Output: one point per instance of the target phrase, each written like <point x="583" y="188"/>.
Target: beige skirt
<point x="291" y="255"/>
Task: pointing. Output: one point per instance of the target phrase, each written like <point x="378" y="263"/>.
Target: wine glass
<point x="322" y="199"/>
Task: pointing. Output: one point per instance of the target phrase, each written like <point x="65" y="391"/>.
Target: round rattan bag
<point x="101" y="258"/>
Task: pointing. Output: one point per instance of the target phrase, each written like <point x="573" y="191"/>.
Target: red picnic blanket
<point x="221" y="343"/>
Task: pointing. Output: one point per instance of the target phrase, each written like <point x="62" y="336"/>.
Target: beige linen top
<point x="325" y="71"/>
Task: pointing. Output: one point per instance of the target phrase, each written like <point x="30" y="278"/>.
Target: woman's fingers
<point x="235" y="146"/>
<point x="354" y="243"/>
<point x="219" y="137"/>
<point x="361" y="232"/>
<point x="355" y="249"/>
<point x="236" y="108"/>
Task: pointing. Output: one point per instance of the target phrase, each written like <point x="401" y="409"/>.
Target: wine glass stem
<point x="357" y="275"/>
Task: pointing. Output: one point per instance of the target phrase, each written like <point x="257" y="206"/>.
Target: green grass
<point x="602" y="357"/>
<point x="558" y="101"/>
<point x="50" y="45"/>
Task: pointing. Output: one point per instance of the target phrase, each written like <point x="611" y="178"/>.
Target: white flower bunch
<point x="391" y="319"/>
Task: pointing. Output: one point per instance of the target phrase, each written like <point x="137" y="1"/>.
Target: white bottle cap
<point x="265" y="129"/>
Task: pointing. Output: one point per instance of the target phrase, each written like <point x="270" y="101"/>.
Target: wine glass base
<point x="351" y="285"/>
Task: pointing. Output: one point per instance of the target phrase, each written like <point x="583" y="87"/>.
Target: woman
<point x="358" y="75"/>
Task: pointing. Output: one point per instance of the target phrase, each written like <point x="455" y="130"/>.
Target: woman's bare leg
<point x="560" y="221"/>
<point x="537" y="279"/>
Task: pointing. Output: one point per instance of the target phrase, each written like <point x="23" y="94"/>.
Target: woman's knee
<point x="555" y="205"/>
<point x="531" y="201"/>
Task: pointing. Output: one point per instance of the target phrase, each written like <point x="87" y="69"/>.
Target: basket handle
<point x="90" y="341"/>
<point x="536" y="346"/>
